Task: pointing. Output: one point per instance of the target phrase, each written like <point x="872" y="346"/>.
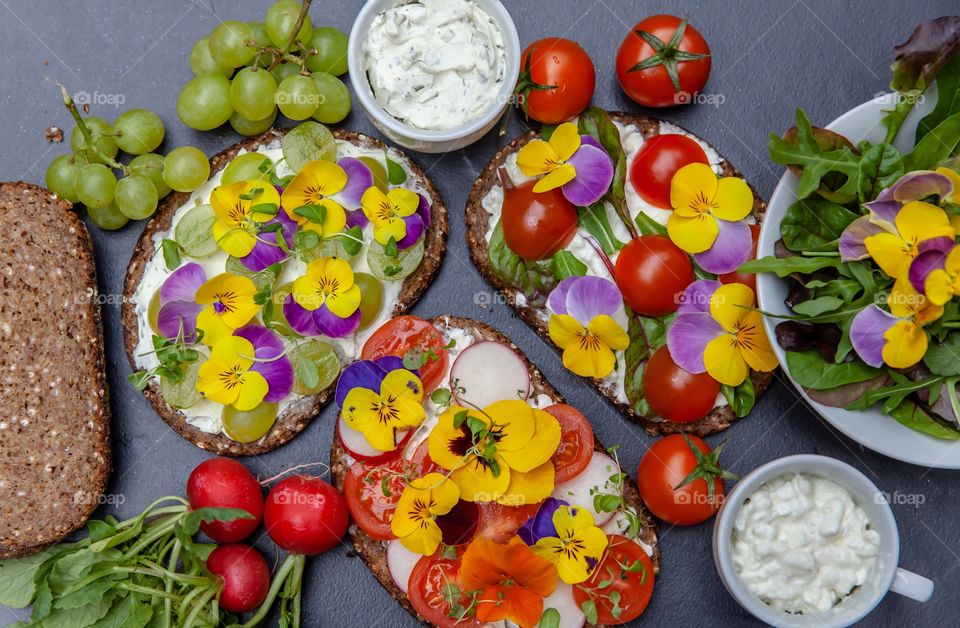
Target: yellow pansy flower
<point x="550" y="158"/>
<point x="226" y="377"/>
<point x="577" y="540"/>
<point x="328" y="281"/>
<point x="237" y="226"/>
<point x="906" y="339"/>
<point x="942" y="284"/>
<point x="742" y="342"/>
<point x="387" y="211"/>
<point x="229" y="305"/>
<point x="916" y="222"/>
<point x="422" y="501"/>
<point x="316" y="183"/>
<point x="699" y="199"/>
<point x="588" y="351"/>
<point x="378" y="414"/>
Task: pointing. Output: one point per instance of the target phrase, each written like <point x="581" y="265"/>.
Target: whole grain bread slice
<point x="295" y="418"/>
<point x="477" y="220"/>
<point x="55" y="412"/>
<point x="374" y="552"/>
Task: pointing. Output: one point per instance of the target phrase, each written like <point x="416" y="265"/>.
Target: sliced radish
<point x="563" y="601"/>
<point x="357" y="446"/>
<point x="580" y="490"/>
<point x="400" y="562"/>
<point x="487" y="372"/>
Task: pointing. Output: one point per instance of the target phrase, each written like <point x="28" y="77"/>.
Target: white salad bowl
<point x="418" y="139"/>
<point x="886" y="575"/>
<point x="871" y="427"/>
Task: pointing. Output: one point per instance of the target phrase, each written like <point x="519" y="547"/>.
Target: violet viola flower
<point x="575" y="163"/>
<point x="178" y="306"/>
<point x="367" y="374"/>
<point x="325" y="301"/>
<point x="541" y="524"/>
<point x="270" y="360"/>
<point x="266" y="252"/>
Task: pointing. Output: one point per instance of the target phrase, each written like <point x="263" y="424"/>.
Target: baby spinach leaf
<point x="741" y="398"/>
<point x="534" y="279"/>
<point x="646" y="336"/>
<point x="596" y="123"/>
<point x="566" y="264"/>
<point x="944" y="358"/>
<point x="936" y="146"/>
<point x="649" y="226"/>
<point x="810" y="370"/>
<point x="911" y="415"/>
<point x="818" y="306"/>
<point x="948" y="98"/>
<point x="880" y="167"/>
<point x="813" y="222"/>
<point x="594" y="220"/>
<point x="789" y="265"/>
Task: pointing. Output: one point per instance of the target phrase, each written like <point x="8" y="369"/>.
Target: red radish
<point x="305" y="515"/>
<point x="486" y="372"/>
<point x="595" y="479"/>
<point x="359" y="448"/>
<point x="400" y="562"/>
<point x="245" y="576"/>
<point x="225" y="483"/>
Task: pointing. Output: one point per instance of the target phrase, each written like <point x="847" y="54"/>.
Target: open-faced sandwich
<point x="477" y="495"/>
<point x="244" y="298"/>
<point x="619" y="238"/>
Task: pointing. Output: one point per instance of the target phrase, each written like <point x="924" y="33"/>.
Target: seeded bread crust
<point x="297" y="416"/>
<point x="477" y="220"/>
<point x="374" y="552"/>
<point x="55" y="415"/>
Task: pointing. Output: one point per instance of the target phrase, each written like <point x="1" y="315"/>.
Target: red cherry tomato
<point x="658" y="160"/>
<point x="653" y="87"/>
<point x="560" y="63"/>
<point x="225" y="483"/>
<point x="576" y="442"/>
<point x="428" y="590"/>
<point x="626" y="569"/>
<point x="305" y="515"/>
<point x="749" y="279"/>
<point x="675" y="394"/>
<point x="652" y="272"/>
<point x="404" y="333"/>
<point x="667" y="463"/>
<point x="500" y="522"/>
<point x="537" y="225"/>
<point x="245" y="576"/>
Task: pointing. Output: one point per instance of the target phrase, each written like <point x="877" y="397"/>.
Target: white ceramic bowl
<point x="870" y="427"/>
<point x="885" y="577"/>
<point x="419" y="139"/>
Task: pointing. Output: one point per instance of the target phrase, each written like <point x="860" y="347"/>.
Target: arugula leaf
<point x="944" y="358"/>
<point x="810" y="370"/>
<point x="534" y="279"/>
<point x="17" y="576"/>
<point x="566" y="264"/>
<point x="814" y="222"/>
<point x="594" y="220"/>
<point x="880" y="167"/>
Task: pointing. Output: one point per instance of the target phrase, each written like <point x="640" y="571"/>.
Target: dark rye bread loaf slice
<point x="54" y="407"/>
<point x="296" y="417"/>
<point x="374" y="552"/>
<point x="477" y="219"/>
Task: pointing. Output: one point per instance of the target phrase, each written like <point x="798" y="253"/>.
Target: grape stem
<point x="304" y="10"/>
<point x="85" y="130"/>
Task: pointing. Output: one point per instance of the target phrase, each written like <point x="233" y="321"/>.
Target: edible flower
<point x="582" y="324"/>
<point x="229" y="305"/>
<point x="241" y="210"/>
<point x="707" y="217"/>
<point x="575" y="162"/>
<point x="501" y="453"/>
<point x="268" y="251"/>
<point x="416" y="223"/>
<point x="388" y="212"/>
<point x="718" y="331"/>
<point x="896" y="338"/>
<point x="378" y="412"/>
<point x="309" y="198"/>
<point x="511" y="580"/>
<point x="942" y="282"/>
<point x="178" y="306"/>
<point x="415" y="518"/>
<point x="324" y="301"/>
<point x="576" y="544"/>
<point x="227" y="377"/>
<point x="270" y="360"/>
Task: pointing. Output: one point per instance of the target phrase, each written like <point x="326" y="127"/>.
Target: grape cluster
<point x="89" y="174"/>
<point x="247" y="71"/>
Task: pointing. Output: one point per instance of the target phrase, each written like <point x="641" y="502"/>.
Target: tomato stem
<point x="707" y="467"/>
<point x="505" y="181"/>
<point x="667" y="54"/>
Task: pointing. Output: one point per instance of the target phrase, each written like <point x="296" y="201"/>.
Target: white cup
<point x="886" y="575"/>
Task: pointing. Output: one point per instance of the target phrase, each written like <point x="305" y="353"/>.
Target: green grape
<point x="323" y="356"/>
<point x="331" y="46"/>
<point x="228" y="44"/>
<point x="263" y="40"/>
<point x="281" y="18"/>
<point x="153" y="312"/>
<point x="103" y="139"/>
<point x="252" y="127"/>
<point x="334" y="103"/>
<point x="140" y="131"/>
<point x="204" y="102"/>
<point x="194" y="232"/>
<point x="201" y="62"/>
<point x="297" y="97"/>
<point x="107" y="217"/>
<point x="96" y="185"/>
<point x="248" y="426"/>
<point x="136" y="197"/>
<point x="182" y="394"/>
<point x="151" y="166"/>
<point x="61" y="178"/>
<point x="245" y="167"/>
<point x="378" y="171"/>
<point x="252" y="93"/>
<point x="185" y="169"/>
<point x="394" y="268"/>
<point x="276" y="320"/>
<point x="371" y="298"/>
<point x="285" y="69"/>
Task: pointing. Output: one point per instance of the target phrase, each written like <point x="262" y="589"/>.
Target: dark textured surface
<point x="770" y="56"/>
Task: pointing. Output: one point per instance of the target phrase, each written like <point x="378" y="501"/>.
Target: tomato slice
<point x="500" y="522"/>
<point x="372" y="508"/>
<point x="576" y="442"/>
<point x="428" y="580"/>
<point x="624" y="568"/>
<point x="401" y="334"/>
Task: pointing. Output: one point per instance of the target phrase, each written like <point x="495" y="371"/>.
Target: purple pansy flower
<point x="270" y="361"/>
<point x="575" y="163"/>
<point x="178" y="307"/>
<point x="367" y="374"/>
<point x="266" y="252"/>
<point x="541" y="524"/>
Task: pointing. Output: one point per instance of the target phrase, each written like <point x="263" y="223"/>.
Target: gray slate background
<point x="770" y="56"/>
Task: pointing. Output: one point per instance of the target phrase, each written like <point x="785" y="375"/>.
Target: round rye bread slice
<point x="374" y="552"/>
<point x="54" y="407"/>
<point x="298" y="415"/>
<point x="478" y="218"/>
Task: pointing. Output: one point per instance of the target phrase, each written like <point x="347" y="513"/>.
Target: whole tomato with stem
<point x="557" y="80"/>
